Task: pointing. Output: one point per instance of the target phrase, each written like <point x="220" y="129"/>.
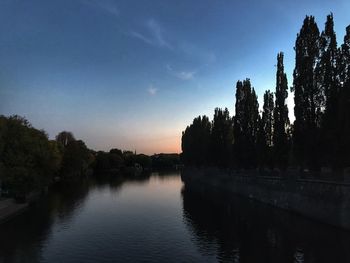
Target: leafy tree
<point x="267" y="117"/>
<point x="117" y="152"/>
<point x="116" y="161"/>
<point x="327" y="81"/>
<point x="265" y="137"/>
<point x="165" y="160"/>
<point x="343" y="124"/>
<point x="144" y="160"/>
<point x="221" y="138"/>
<point x="344" y="59"/>
<point x="246" y="125"/>
<point x="308" y="97"/>
<point x="102" y="162"/>
<point x="76" y="160"/>
<point x="280" y="115"/>
<point x="261" y="145"/>
<point x="195" y="142"/>
<point x="28" y="159"/>
<point x="64" y="138"/>
<point x="320" y="134"/>
<point x="129" y="158"/>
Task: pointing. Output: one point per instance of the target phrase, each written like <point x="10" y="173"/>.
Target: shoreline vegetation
<point x="30" y="163"/>
<point x="318" y="141"/>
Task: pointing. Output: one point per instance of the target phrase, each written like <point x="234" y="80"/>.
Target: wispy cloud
<point x="183" y="75"/>
<point x="107" y="6"/>
<point x="152" y="90"/>
<point x="154" y="35"/>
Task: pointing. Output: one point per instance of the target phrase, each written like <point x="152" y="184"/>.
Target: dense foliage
<point x="29" y="161"/>
<point x="117" y="160"/>
<point x="320" y="134"/>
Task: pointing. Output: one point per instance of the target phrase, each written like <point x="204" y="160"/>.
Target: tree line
<point x="116" y="161"/>
<point x="30" y="161"/>
<point x="319" y="136"/>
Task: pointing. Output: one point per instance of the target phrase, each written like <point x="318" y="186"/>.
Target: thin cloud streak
<point x="143" y="38"/>
<point x="183" y="75"/>
<point x="154" y="35"/>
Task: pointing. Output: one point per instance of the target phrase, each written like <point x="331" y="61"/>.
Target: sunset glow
<point x="123" y="74"/>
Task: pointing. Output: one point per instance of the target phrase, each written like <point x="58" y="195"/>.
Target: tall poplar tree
<point x="246" y="125"/>
<point x="267" y="117"/>
<point x="221" y="138"/>
<point x="265" y="133"/>
<point x="344" y="59"/>
<point x="308" y="97"/>
<point x="327" y="81"/>
<point x="343" y="124"/>
<point x="281" y="120"/>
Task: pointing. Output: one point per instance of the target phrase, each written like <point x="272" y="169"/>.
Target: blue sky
<point x="133" y="74"/>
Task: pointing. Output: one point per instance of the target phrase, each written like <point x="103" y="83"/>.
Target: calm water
<point x="157" y="219"/>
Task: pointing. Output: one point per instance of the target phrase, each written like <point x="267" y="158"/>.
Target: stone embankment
<point x="323" y="200"/>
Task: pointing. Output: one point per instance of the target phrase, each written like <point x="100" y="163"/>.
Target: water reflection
<point x="239" y="230"/>
<point x="149" y="218"/>
<point x="21" y="239"/>
<point x="71" y="211"/>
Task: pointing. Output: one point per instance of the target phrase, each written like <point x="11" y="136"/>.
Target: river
<point x="155" y="218"/>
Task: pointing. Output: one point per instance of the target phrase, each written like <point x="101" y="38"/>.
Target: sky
<point x="133" y="74"/>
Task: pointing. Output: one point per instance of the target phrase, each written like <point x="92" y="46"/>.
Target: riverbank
<point x="323" y="200"/>
<point x="9" y="208"/>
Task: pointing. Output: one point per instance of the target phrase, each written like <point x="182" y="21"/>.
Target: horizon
<point x="133" y="78"/>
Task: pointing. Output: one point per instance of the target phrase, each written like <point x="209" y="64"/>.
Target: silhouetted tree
<point x="246" y="125"/>
<point x="117" y="152"/>
<point x="221" y="138"/>
<point x="261" y="145"/>
<point x="308" y="97"/>
<point x="28" y="160"/>
<point x="116" y="161"/>
<point x="343" y="124"/>
<point x="320" y="134"/>
<point x="64" y="138"/>
<point x="327" y="82"/>
<point x="144" y="160"/>
<point x="265" y="137"/>
<point x="102" y="162"/>
<point x="165" y="160"/>
<point x="344" y="59"/>
<point x="281" y="120"/>
<point x="267" y="117"/>
<point x="196" y="141"/>
<point x="76" y="160"/>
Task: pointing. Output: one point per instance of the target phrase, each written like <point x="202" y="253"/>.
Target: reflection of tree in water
<point x="116" y="182"/>
<point x="22" y="238"/>
<point x="66" y="199"/>
<point x="239" y="230"/>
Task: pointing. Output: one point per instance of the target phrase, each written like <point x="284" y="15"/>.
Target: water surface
<point x="157" y="219"/>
